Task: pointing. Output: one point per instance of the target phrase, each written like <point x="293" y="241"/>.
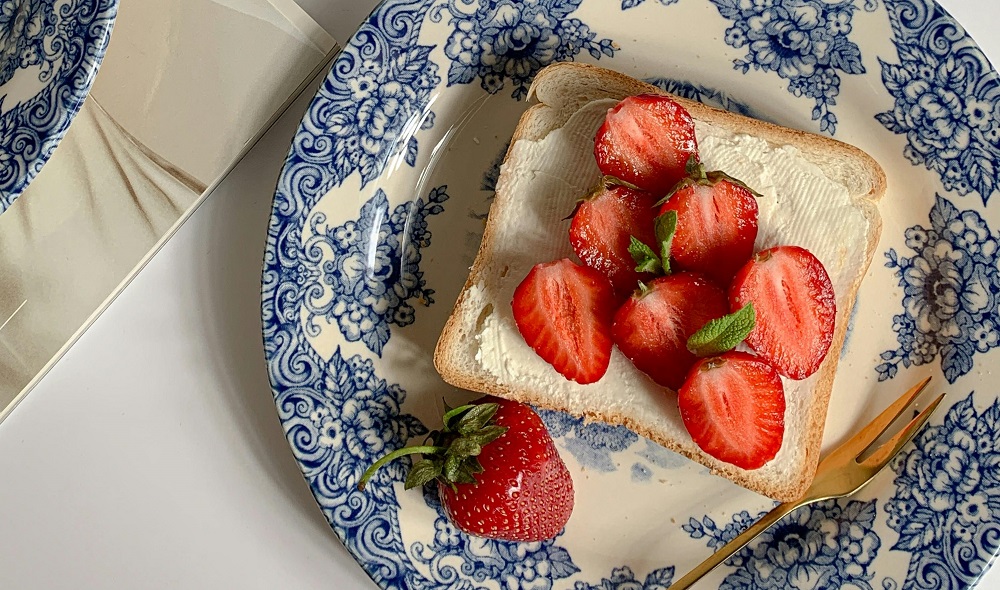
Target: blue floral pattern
<point x="623" y="578"/>
<point x="592" y="443"/>
<point x="23" y="27"/>
<point x="338" y="418"/>
<point x="803" y="41"/>
<point x="947" y="98"/>
<point x="497" y="40"/>
<point x="363" y="274"/>
<point x="64" y="44"/>
<point x="626" y="4"/>
<point x="824" y="545"/>
<point x="703" y="94"/>
<point x="339" y="415"/>
<point x="946" y="507"/>
<point x="517" y="566"/>
<point x="595" y="444"/>
<point x="951" y="293"/>
<point x="716" y="537"/>
<point x="372" y="107"/>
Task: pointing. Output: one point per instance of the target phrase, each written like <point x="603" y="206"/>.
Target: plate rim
<point x="325" y="187"/>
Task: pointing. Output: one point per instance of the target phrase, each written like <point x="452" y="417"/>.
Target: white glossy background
<point x="151" y="456"/>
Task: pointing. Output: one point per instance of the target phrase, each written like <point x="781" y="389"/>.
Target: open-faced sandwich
<point x="657" y="263"/>
<point x="635" y="240"/>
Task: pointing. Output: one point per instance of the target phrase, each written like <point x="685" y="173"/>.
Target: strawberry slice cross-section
<point x="563" y="311"/>
<point x="602" y="229"/>
<point x="796" y="308"/>
<point x="646" y="140"/>
<point x="716" y="224"/>
<point x="653" y="326"/>
<point x="733" y="406"/>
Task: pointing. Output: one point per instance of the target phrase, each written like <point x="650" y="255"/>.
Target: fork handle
<point x="735" y="545"/>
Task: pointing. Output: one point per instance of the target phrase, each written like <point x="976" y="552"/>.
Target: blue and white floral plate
<point x="49" y="54"/>
<point x="379" y="211"/>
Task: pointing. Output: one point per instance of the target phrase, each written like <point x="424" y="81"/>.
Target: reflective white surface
<point x="151" y="455"/>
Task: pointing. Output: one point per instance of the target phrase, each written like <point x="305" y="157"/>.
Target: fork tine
<point x="860" y="442"/>
<point x="888" y="450"/>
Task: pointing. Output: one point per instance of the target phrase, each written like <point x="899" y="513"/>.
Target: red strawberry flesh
<point x="563" y="311"/>
<point x="646" y="140"/>
<point x="602" y="228"/>
<point x="796" y="308"/>
<point x="652" y="328"/>
<point x="716" y="228"/>
<point x="733" y="406"/>
<point x="525" y="492"/>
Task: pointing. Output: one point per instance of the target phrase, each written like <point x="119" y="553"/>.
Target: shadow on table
<point x="230" y="273"/>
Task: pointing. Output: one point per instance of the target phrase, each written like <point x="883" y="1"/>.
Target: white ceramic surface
<point x="378" y="213"/>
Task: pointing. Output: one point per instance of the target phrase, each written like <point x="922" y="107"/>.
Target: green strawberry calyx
<point x="606" y="183"/>
<point x="450" y="455"/>
<point x="697" y="176"/>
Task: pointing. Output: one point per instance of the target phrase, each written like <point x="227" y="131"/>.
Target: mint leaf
<point x="722" y="334"/>
<point x="665" y="226"/>
<point x="646" y="260"/>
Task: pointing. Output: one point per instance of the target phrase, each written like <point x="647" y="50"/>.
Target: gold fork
<point x="840" y="474"/>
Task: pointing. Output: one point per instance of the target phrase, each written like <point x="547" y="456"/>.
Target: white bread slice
<point x="546" y="170"/>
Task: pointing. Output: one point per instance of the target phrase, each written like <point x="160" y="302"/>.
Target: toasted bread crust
<point x="561" y="90"/>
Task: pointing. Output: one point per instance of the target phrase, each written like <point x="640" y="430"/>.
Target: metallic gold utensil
<point x="840" y="474"/>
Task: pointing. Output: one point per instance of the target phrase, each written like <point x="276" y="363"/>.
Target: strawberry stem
<point x="698" y="173"/>
<point x="423" y="450"/>
<point x="451" y="458"/>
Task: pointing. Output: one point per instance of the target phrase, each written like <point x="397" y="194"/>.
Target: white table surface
<point x="151" y="455"/>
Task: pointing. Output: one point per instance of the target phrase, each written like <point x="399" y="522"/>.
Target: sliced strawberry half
<point x="653" y="326"/>
<point x="733" y="406"/>
<point x="564" y="311"/>
<point x="646" y="140"/>
<point x="796" y="308"/>
<point x="603" y="226"/>
<point x="716" y="224"/>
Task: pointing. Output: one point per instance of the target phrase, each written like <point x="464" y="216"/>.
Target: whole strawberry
<point x="497" y="470"/>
